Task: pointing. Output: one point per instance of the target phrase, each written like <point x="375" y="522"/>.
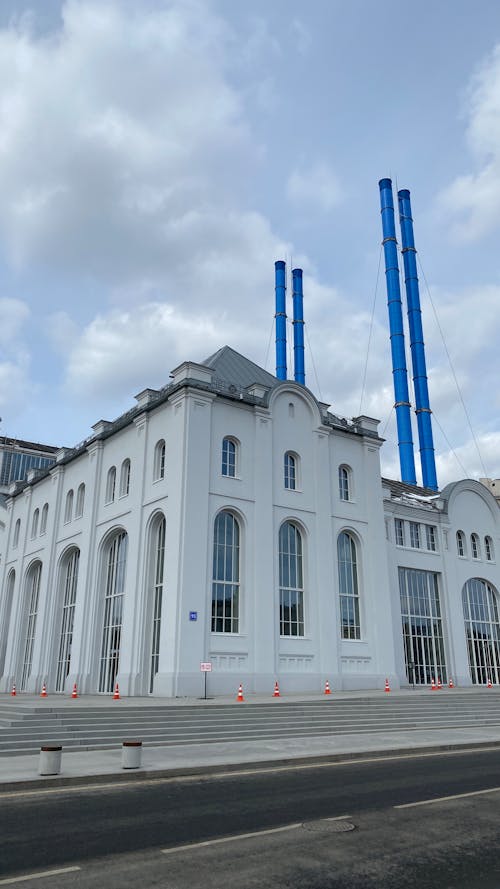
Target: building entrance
<point x="482" y="631"/>
<point x="422" y="626"/>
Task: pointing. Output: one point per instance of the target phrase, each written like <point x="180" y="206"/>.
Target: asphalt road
<point x="131" y="835"/>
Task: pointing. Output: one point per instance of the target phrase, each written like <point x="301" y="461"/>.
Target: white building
<point x="232" y="518"/>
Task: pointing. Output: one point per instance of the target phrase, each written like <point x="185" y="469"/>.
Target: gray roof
<point x="398" y="488"/>
<point x="231" y="367"/>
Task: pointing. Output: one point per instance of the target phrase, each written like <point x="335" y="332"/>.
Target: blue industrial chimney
<point x="298" y="326"/>
<point x="422" y="408"/>
<point x="400" y="377"/>
<point x="280" y="316"/>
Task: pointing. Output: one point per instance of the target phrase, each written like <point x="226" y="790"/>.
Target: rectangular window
<point x="430" y="536"/>
<point x="414" y="535"/>
<point x="399" y="526"/>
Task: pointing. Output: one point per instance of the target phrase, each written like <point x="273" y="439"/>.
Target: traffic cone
<point x="433" y="684"/>
<point x="450" y="683"/>
<point x="276" y="692"/>
<point x="327" y="688"/>
<point x="240" y="693"/>
<point x="116" y="693"/>
<point x="13" y="692"/>
<point x="439" y="686"/>
<point x="43" y="693"/>
<point x="74" y="693"/>
<point x="489" y="684"/>
<point x="387" y="686"/>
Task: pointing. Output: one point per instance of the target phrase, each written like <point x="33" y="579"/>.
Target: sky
<point x="158" y="156"/>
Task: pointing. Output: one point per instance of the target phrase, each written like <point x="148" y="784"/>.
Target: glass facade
<point x="348" y="587"/>
<point x="14" y="465"/>
<point x="422" y="626"/>
<point x="291" y="581"/>
<point x="226" y="574"/>
<point x="482" y="631"/>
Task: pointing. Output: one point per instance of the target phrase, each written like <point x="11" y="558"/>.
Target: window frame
<point x="68" y="507"/>
<point x="400" y="532"/>
<point x="124" y="489"/>
<point x="226" y="560"/>
<point x="229" y="457"/>
<point x="461" y="544"/>
<point x="80" y="501"/>
<point x="159" y="460"/>
<point x="345" y="484"/>
<point x="291" y="463"/>
<point x="348" y="579"/>
<point x="110" y="485"/>
<point x="292" y="596"/>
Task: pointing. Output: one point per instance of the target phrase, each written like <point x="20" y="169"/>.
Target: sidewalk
<point x="80" y="767"/>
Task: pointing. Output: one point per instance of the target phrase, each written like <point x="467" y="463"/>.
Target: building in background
<point x="18" y="457"/>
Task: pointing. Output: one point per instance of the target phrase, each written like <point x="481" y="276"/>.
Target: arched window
<point x="68" y="583"/>
<point x="111" y="484"/>
<point x="32" y="592"/>
<point x="157" y="569"/>
<point x="226" y="574"/>
<point x="159" y="460"/>
<point x="344" y="483"/>
<point x="461" y="544"/>
<point x="482" y="630"/>
<point x="348" y="587"/>
<point x="115" y="560"/>
<point x="125" y="478"/>
<point x="80" y="501"/>
<point x="489" y="549"/>
<point x="17" y="530"/>
<point x="475" y="546"/>
<point x="9" y="595"/>
<point x="34" y="523"/>
<point x="290" y="471"/>
<point x="229" y="452"/>
<point x="45" y="515"/>
<point x="68" y="510"/>
<point x="291" y="579"/>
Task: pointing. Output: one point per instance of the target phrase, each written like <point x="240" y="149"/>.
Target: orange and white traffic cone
<point x="13" y="692"/>
<point x="276" y="692"/>
<point x="439" y="686"/>
<point x="43" y="693"/>
<point x="116" y="693"/>
<point x="489" y="683"/>
<point x="74" y="693"/>
<point x="239" y="696"/>
<point x="387" y="686"/>
<point x="327" y="688"/>
<point x="433" y="684"/>
<point x="450" y="683"/>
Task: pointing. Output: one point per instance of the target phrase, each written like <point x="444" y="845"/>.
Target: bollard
<point x="50" y="760"/>
<point x="131" y="754"/>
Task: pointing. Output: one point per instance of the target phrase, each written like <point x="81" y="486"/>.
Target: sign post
<point x="206" y="668"/>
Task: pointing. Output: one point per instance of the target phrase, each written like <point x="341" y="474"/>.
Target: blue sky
<point x="157" y="157"/>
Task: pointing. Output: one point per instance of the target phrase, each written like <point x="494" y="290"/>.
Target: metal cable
<point x="370" y="333"/>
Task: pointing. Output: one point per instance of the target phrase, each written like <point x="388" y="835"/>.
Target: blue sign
<point x="193" y="615"/>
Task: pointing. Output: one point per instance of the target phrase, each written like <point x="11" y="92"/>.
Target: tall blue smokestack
<point x="280" y="316"/>
<point x="298" y="326"/>
<point x="400" y="377"/>
<point x="422" y="408"/>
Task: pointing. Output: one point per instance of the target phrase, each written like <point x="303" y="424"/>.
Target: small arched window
<point x="159" y="460"/>
<point x="68" y="510"/>
<point x="489" y="549"/>
<point x="348" y="587"/>
<point x="229" y="453"/>
<point x="45" y="515"/>
<point x="290" y="470"/>
<point x="461" y="544"/>
<point x="17" y="531"/>
<point x="344" y="483"/>
<point x="80" y="501"/>
<point x="125" y="478"/>
<point x="111" y="484"/>
<point x="475" y="546"/>
<point x="34" y="523"/>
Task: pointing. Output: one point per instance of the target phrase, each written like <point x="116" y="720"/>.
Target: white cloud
<point x="316" y="187"/>
<point x="13" y="315"/>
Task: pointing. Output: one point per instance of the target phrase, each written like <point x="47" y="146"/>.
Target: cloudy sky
<point x="157" y="156"/>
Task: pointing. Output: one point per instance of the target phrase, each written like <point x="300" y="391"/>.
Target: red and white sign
<point x="206" y="668"/>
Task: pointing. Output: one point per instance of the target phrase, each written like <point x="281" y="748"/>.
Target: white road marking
<point x="240" y="836"/>
<point x="443" y="799"/>
<point x="38" y="876"/>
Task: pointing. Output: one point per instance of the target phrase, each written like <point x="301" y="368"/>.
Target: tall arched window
<point x="229" y="450"/>
<point x="475" y="546"/>
<point x="68" y="510"/>
<point x="344" y="483"/>
<point x="461" y="544"/>
<point x="80" y="501"/>
<point x="489" y="549"/>
<point x="482" y="630"/>
<point x="157" y="570"/>
<point x="17" y="530"/>
<point x="125" y="478"/>
<point x="159" y="461"/>
<point x="34" y="523"/>
<point x="45" y="515"/>
<point x="290" y="471"/>
<point x="111" y="484"/>
<point x="348" y="587"/>
<point x="291" y="579"/>
<point x="9" y="594"/>
<point x="115" y="560"/>
<point x="32" y="592"/>
<point x="68" y="582"/>
<point x="226" y="574"/>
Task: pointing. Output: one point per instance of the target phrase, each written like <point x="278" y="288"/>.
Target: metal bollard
<point x="131" y="754"/>
<point x="50" y="760"/>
